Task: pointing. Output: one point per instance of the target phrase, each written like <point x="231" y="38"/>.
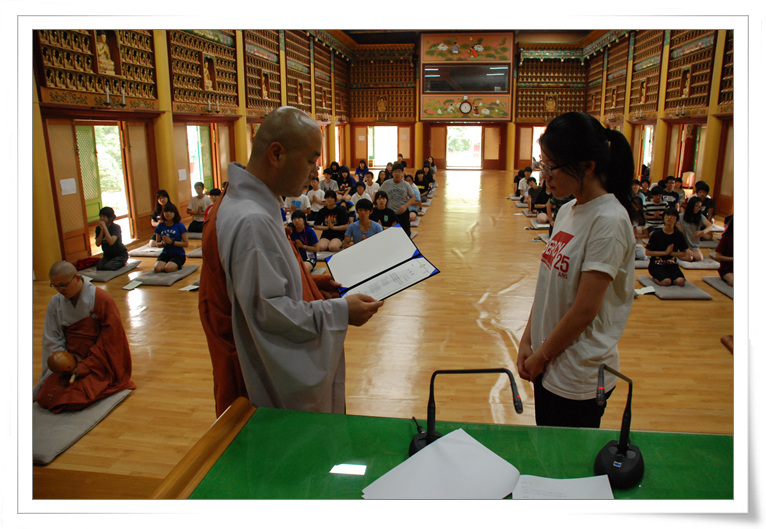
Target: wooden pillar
<point x="46" y="247"/>
<point x="282" y="68"/>
<point x="419" y="147"/>
<point x="240" y="126"/>
<point x="603" y="85"/>
<point x="713" y="135"/>
<point x="510" y="148"/>
<point x="659" y="149"/>
<point x="627" y="126"/>
<point x="163" y="125"/>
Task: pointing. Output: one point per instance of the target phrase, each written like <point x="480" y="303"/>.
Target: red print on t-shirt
<point x="553" y="256"/>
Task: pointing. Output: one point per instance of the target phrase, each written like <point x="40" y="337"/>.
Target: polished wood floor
<point x="471" y="315"/>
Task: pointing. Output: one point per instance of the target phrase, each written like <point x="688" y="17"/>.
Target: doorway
<point x="102" y="176"/>
<point x="382" y="146"/>
<point x="200" y="144"/>
<point x="464" y="147"/>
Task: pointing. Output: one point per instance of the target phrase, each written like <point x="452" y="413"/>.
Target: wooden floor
<point x="471" y="315"/>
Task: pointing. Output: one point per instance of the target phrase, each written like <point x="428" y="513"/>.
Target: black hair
<point x="426" y="166"/>
<point x="335" y="164"/>
<point x="298" y="214"/>
<point x="365" y="204"/>
<point x="636" y="182"/>
<point x="689" y="216"/>
<point x="330" y="194"/>
<point x="670" y="210"/>
<point x="363" y="162"/>
<point x="577" y="137"/>
<point x="702" y="186"/>
<point x="108" y="213"/>
<point x="656" y="190"/>
<point x="638" y="204"/>
<point x="381" y="194"/>
<point x="361" y="183"/>
<point x="157" y="213"/>
<point x="201" y="184"/>
<point x="420" y="171"/>
<point x="176" y="214"/>
<point x="527" y="168"/>
<point x="327" y="171"/>
<point x="344" y="169"/>
<point x="532" y="179"/>
<point x="215" y="192"/>
<point x="396" y="166"/>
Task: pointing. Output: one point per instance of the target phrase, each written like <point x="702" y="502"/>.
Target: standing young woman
<point x="585" y="284"/>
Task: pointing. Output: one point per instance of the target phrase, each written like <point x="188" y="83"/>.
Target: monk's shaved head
<point x="63" y="268"/>
<point x="285" y="150"/>
<point x="286" y="125"/>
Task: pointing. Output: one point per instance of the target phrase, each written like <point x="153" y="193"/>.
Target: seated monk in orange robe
<point x="83" y="321"/>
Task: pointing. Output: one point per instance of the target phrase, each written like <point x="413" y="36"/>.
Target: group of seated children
<point x="537" y="197"/>
<point x="338" y="211"/>
<point x="672" y="227"/>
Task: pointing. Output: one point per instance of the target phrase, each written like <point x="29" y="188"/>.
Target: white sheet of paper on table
<point x="455" y="466"/>
<point x="537" y="488"/>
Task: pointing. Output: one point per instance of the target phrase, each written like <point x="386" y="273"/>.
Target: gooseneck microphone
<point x="421" y="439"/>
<point x="621" y="461"/>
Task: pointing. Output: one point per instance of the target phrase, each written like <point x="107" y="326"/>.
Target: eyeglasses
<point x="62" y="287"/>
<point x="547" y="169"/>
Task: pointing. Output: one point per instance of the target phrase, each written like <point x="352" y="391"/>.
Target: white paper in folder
<point x="380" y="266"/>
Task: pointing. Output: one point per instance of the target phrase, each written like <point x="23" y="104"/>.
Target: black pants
<point x="552" y="410"/>
<point x="404" y="221"/>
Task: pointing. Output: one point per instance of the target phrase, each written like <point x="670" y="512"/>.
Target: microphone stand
<point x="621" y="461"/>
<point x="421" y="439"/>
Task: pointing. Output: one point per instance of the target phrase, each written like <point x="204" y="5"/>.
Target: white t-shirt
<point x="356" y="197"/>
<point x="371" y="190"/>
<point x="195" y="202"/>
<point x="595" y="236"/>
<point x="319" y="194"/>
<point x="300" y="202"/>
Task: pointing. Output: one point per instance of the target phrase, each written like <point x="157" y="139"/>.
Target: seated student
<point x="414" y="208"/>
<point x="553" y="207"/>
<point x="361" y="170"/>
<point x="400" y="161"/>
<point x="400" y="197"/>
<point x="430" y="162"/>
<point x="304" y="238"/>
<point x="109" y="238"/>
<point x="332" y="221"/>
<point x="654" y="210"/>
<point x="360" y="193"/>
<point x="694" y="226"/>
<point x="381" y="178"/>
<point x="540" y="203"/>
<point x="328" y="183"/>
<point x="665" y="247"/>
<point x="316" y="198"/>
<point x="428" y="177"/>
<point x="301" y="202"/>
<point x="645" y="189"/>
<point x="370" y="187"/>
<point x="669" y="195"/>
<point x="197" y="206"/>
<point x="157" y="217"/>
<point x="724" y="253"/>
<point x="421" y="182"/>
<point x="382" y="214"/>
<point x="639" y="227"/>
<point x="346" y="184"/>
<point x="635" y="189"/>
<point x="532" y="191"/>
<point x="364" y="227"/>
<point x="214" y="195"/>
<point x="334" y="168"/>
<point x="86" y="355"/>
<point x="701" y="190"/>
<point x="521" y="175"/>
<point x="171" y="235"/>
<point x="389" y="171"/>
<point x="523" y="185"/>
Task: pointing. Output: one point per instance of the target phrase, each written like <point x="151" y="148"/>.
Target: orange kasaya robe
<point x="215" y="313"/>
<point x="106" y="365"/>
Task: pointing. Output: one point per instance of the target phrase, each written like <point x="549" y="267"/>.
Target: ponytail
<point x="579" y="137"/>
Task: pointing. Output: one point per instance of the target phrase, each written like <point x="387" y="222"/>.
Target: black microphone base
<point x="419" y="442"/>
<point x="624" y="470"/>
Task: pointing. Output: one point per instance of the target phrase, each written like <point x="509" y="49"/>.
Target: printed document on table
<point x="381" y="265"/>
<point x="537" y="488"/>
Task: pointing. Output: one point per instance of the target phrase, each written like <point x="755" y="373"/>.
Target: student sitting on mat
<point x="332" y="221"/>
<point x="701" y="190"/>
<point x="665" y="247"/>
<point x="304" y="238"/>
<point x="639" y="227"/>
<point x="724" y="253"/>
<point x="532" y="191"/>
<point x="382" y="214"/>
<point x="364" y="227"/>
<point x="414" y="208"/>
<point x="316" y="198"/>
<point x="370" y="186"/>
<point x="109" y="238"/>
<point x="654" y="210"/>
<point x="346" y="184"/>
<point x="172" y="237"/>
<point x="540" y="204"/>
<point x="157" y="218"/>
<point x="694" y="226"/>
<point x="554" y="204"/>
